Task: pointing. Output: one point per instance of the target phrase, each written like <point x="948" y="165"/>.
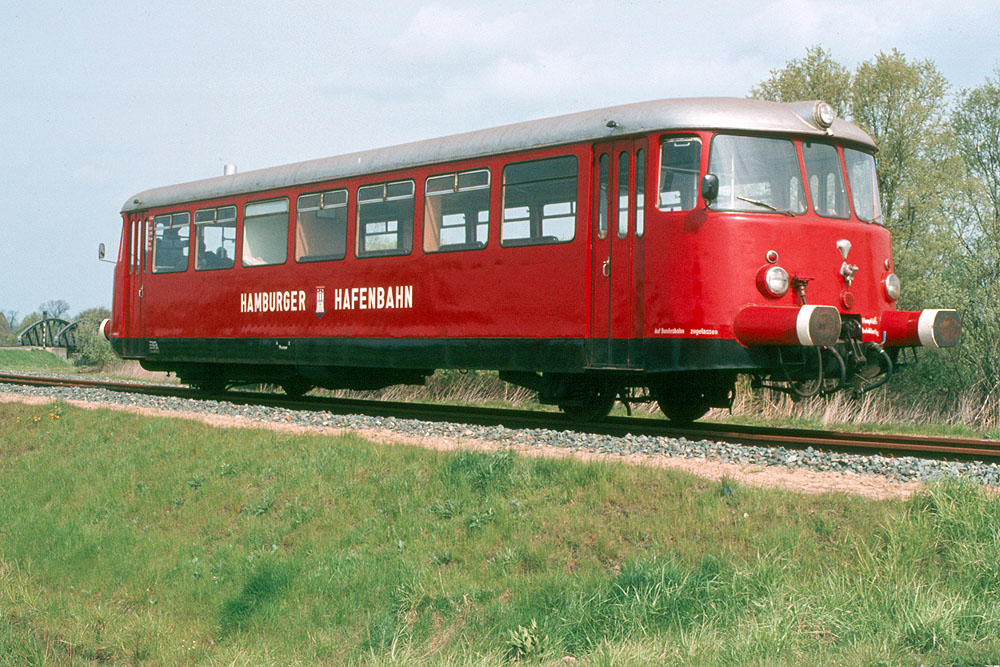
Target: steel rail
<point x="790" y="438"/>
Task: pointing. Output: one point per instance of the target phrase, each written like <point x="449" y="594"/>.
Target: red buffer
<point x="933" y="327"/>
<point x="787" y="325"/>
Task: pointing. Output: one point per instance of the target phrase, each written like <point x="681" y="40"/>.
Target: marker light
<point x="892" y="286"/>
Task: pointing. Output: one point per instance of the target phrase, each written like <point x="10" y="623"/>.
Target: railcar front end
<point x="766" y="255"/>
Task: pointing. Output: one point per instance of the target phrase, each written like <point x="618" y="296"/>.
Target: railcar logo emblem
<point x="320" y="298"/>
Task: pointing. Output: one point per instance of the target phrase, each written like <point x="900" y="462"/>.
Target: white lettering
<point x="372" y="297"/>
<point x="286" y="301"/>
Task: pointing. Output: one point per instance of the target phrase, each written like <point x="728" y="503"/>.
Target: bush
<point x="93" y="349"/>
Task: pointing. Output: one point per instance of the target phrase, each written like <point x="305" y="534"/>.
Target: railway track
<point x="834" y="441"/>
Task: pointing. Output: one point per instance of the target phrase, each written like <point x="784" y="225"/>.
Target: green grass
<point x="13" y="359"/>
<point x="131" y="540"/>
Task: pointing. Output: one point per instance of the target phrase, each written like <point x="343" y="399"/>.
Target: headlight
<point x="824" y="115"/>
<point x="892" y="286"/>
<point x="773" y="281"/>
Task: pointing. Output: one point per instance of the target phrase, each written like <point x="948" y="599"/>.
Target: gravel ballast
<point x="898" y="469"/>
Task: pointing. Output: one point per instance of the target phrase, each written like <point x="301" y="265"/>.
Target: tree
<point x="816" y="77"/>
<point x="54" y="309"/>
<point x="7" y="336"/>
<point x="973" y="213"/>
<point x="10" y="316"/>
<point x="902" y="106"/>
<point x="27" y="321"/>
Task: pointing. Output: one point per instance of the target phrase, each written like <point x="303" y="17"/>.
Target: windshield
<point x="757" y="174"/>
<point x="864" y="185"/>
<point x="826" y="180"/>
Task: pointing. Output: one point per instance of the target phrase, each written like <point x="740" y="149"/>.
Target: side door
<point x="617" y="269"/>
<point x="134" y="275"/>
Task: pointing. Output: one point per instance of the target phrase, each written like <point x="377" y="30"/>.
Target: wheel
<point x="594" y="406"/>
<point x="296" y="388"/>
<point x="681" y="409"/>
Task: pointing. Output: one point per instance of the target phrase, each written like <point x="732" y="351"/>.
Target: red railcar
<point x="652" y="250"/>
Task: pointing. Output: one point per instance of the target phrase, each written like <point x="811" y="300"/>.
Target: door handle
<point x="606" y="268"/>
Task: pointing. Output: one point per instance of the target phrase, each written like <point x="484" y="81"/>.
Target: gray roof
<point x="629" y="119"/>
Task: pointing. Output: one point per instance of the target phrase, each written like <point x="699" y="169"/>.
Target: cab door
<point x="618" y="227"/>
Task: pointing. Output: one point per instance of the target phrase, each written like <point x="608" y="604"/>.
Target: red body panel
<point x="532" y="291"/>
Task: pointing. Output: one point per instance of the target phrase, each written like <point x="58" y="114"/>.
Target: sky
<point x="101" y="100"/>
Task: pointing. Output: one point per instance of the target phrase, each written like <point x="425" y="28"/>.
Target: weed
<point x="481" y="470"/>
<point x="526" y="642"/>
<point x="727" y="486"/>
<point x="260" y="506"/>
<point x="443" y="557"/>
<point x="479" y="519"/>
<point x="445" y="509"/>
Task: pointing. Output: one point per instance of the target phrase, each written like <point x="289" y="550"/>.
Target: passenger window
<point x="602" y="196"/>
<point x="385" y="219"/>
<point x="457" y="211"/>
<point x="623" y="169"/>
<point x="215" y="230"/>
<point x="134" y="247"/>
<point x="171" y="234"/>
<point x="826" y="180"/>
<point x="680" y="161"/>
<point x="539" y="202"/>
<point x="265" y="233"/>
<point x="640" y="192"/>
<point x="321" y="226"/>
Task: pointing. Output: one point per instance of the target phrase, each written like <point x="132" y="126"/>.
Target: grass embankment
<point x="125" y="539"/>
<point x="42" y="361"/>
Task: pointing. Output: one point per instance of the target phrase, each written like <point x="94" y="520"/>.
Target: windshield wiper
<point x="764" y="204"/>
